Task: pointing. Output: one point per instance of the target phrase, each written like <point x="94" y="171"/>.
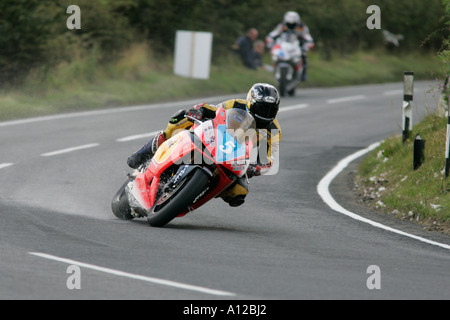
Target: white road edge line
<point x="137" y="136"/>
<point x="346" y="99"/>
<point x="294" y="107"/>
<point x="54" y="153"/>
<point x="105" y="111"/>
<point x="5" y="165"/>
<point x="398" y="92"/>
<point x="324" y="192"/>
<point x="134" y="276"/>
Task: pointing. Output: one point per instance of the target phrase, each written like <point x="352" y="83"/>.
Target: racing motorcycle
<point x="287" y="59"/>
<point x="189" y="169"/>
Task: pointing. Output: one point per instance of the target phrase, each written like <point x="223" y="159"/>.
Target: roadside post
<point x="408" y="91"/>
<point x="447" y="147"/>
<point x="447" y="141"/>
<point x="419" y="152"/>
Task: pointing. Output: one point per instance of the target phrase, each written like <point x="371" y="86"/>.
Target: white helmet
<point x="292" y="19"/>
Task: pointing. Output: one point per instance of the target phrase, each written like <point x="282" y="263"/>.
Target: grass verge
<point x="141" y="77"/>
<point x="388" y="182"/>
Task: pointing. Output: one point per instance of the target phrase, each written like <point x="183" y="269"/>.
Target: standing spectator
<point x="246" y="50"/>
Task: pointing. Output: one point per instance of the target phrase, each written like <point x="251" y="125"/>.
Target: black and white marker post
<point x="408" y="90"/>
<point x="447" y="141"/>
<point x="447" y="147"/>
<point x="418" y="152"/>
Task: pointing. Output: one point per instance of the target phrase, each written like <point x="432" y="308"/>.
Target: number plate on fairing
<point x="228" y="148"/>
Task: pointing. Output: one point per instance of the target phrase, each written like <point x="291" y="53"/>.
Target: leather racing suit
<point x="301" y="31"/>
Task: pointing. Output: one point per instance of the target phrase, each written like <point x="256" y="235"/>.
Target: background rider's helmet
<point x="263" y="101"/>
<point x="291" y="19"/>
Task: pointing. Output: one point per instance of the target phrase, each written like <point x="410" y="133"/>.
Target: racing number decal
<point x="230" y="147"/>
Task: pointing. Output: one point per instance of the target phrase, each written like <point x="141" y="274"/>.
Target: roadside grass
<point x="388" y="182"/>
<point x="137" y="78"/>
<point x="371" y="67"/>
<point x="141" y="77"/>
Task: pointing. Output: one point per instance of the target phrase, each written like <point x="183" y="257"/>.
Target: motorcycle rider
<point x="293" y="23"/>
<point x="262" y="102"/>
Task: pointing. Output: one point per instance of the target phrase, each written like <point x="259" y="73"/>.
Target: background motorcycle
<point x="287" y="59"/>
<point x="189" y="169"/>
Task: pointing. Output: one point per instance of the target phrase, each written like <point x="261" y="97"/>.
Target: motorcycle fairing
<point x="224" y="155"/>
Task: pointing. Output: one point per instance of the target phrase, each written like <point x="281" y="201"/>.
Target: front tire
<point x="163" y="213"/>
<point x="283" y="81"/>
<point x="120" y="205"/>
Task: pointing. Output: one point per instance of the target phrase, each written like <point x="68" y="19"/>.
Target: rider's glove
<point x="253" y="170"/>
<point x="196" y="112"/>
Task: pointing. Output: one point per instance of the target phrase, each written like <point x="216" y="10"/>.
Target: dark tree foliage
<point x="24" y="30"/>
<point x="33" y="32"/>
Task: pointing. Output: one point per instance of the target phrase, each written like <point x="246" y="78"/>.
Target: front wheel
<point x="120" y="205"/>
<point x="173" y="204"/>
<point x="283" y="81"/>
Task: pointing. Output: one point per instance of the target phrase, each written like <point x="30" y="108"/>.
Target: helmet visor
<point x="291" y="25"/>
<point x="264" y="111"/>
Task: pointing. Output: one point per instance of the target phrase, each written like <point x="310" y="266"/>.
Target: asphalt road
<point x="59" y="174"/>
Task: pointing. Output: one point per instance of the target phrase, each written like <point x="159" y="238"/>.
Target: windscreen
<point x="241" y="125"/>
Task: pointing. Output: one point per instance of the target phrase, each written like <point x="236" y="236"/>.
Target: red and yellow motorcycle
<point x="189" y="169"/>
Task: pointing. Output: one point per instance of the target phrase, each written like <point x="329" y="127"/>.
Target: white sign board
<point x="193" y="54"/>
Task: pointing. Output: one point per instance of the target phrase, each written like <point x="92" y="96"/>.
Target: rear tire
<point x="162" y="214"/>
<point x="119" y="204"/>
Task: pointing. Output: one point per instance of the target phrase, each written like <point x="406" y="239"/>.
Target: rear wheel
<point x="119" y="204"/>
<point x="171" y="204"/>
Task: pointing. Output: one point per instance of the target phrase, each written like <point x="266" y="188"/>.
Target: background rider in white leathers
<point x="293" y="23"/>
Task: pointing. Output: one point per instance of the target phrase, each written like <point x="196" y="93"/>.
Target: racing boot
<point x="147" y="151"/>
<point x="235" y="195"/>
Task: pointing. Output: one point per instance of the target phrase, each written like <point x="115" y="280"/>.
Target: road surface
<point x="59" y="174"/>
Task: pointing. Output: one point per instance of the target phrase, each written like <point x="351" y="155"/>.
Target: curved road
<point x="59" y="174"/>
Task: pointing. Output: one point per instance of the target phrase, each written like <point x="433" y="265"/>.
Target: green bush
<point x="34" y="33"/>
